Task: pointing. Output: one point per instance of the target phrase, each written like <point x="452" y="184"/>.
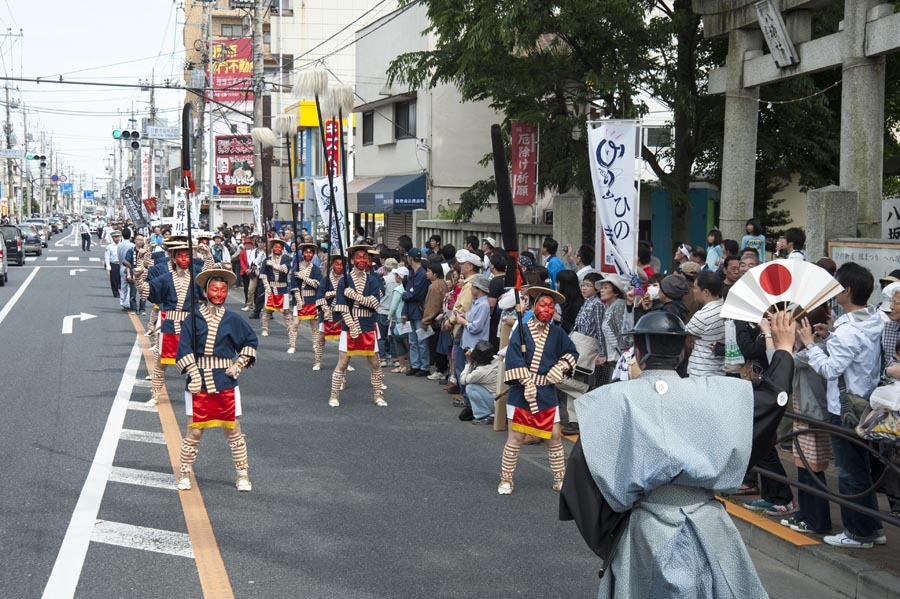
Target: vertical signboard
<point x="234" y="165"/>
<point x="332" y="145"/>
<point x="232" y="70"/>
<point x="523" y="170"/>
<point x="145" y="173"/>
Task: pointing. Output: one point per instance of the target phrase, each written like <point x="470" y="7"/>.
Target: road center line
<point x="70" y="559"/>
<point x="12" y="301"/>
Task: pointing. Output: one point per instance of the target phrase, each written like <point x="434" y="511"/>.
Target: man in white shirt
<point x="852" y="362"/>
<point x="584" y="257"/>
<point x="111" y="261"/>
<point x="707" y="328"/>
<point x="125" y="299"/>
<point x="85" y="231"/>
<point x="792" y="244"/>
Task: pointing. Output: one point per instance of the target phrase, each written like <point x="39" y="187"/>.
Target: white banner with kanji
<point x="613" y="157"/>
<point x="180" y="212"/>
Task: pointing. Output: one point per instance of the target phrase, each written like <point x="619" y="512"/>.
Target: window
<point x="267" y="37"/>
<point x="405" y="119"/>
<point x="232" y="31"/>
<point x="368" y="128"/>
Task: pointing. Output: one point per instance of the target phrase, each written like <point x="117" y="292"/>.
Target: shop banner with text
<point x="232" y="69"/>
<point x="613" y="158"/>
<point x="323" y="200"/>
<point x="234" y="165"/>
<point x="523" y="169"/>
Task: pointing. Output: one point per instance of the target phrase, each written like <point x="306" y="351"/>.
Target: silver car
<point x="4" y="262"/>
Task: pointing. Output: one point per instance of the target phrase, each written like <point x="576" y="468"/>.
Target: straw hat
<point x="204" y="277"/>
<point x="535" y="291"/>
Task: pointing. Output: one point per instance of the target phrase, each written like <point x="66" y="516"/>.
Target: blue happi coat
<point x="305" y="281"/>
<point x="557" y="347"/>
<point x="220" y="334"/>
<point x="371" y="289"/>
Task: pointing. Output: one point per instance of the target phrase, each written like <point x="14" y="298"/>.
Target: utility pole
<point x="258" y="88"/>
<point x="9" y="170"/>
<point x="152" y="176"/>
<point x="205" y="36"/>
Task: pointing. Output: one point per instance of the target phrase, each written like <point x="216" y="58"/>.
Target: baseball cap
<point x="401" y="272"/>
<point x="414" y="253"/>
<point x="490" y="241"/>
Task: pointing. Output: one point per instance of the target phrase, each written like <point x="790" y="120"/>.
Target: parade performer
<point x="275" y="277"/>
<point x="305" y="286"/>
<point x="225" y="346"/>
<point x="164" y="264"/>
<point x="329" y="320"/>
<point x="653" y="453"/>
<point x="171" y="292"/>
<point x="532" y="404"/>
<point x="357" y="302"/>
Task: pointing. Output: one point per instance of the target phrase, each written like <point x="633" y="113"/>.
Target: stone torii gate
<point x="870" y="30"/>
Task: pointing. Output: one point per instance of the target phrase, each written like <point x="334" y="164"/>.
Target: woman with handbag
<point x="433" y="315"/>
<point x="613" y="289"/>
<point x="587" y="335"/>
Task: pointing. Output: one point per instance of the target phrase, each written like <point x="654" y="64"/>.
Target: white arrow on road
<point x="68" y="320"/>
<point x="76" y="270"/>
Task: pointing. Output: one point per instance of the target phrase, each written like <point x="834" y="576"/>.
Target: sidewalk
<point x="857" y="573"/>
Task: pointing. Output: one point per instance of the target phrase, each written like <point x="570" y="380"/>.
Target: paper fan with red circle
<point x="787" y="284"/>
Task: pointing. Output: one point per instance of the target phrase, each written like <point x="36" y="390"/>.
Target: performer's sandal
<point x="184" y="482"/>
<point x="379" y="401"/>
<point x="264" y="333"/>
<point x="242" y="482"/>
<point x="505" y="487"/>
<point x="333" y="402"/>
<point x="291" y="350"/>
<point x="557" y="484"/>
<point x="350" y="368"/>
<point x="317" y="366"/>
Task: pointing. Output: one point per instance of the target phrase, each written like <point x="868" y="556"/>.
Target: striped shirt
<point x="709" y="328"/>
<point x="889" y="342"/>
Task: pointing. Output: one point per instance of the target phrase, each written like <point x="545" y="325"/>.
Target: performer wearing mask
<point x="532" y="404"/>
<point x="357" y="303"/>
<point x="171" y="292"/>
<point x="304" y="286"/>
<point x="226" y="345"/>
<point x="275" y="277"/>
<point x="329" y="320"/>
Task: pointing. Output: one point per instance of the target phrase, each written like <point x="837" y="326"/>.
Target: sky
<point x="109" y="41"/>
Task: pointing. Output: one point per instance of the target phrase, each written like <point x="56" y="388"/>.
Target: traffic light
<point x="40" y="157"/>
<point x="129" y="136"/>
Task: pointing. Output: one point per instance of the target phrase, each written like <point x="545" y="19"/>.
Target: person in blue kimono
<point x="305" y="279"/>
<point x="357" y="300"/>
<point x="276" y="280"/>
<point x="225" y="346"/>
<point x="653" y="453"/>
<point x="329" y="321"/>
<point x="532" y="406"/>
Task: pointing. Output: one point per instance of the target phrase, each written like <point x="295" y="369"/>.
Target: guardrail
<point x="821" y="490"/>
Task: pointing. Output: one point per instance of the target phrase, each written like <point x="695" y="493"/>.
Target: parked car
<point x="32" y="239"/>
<point x="55" y="224"/>
<point x="4" y="265"/>
<point x="15" y="244"/>
<point x="42" y="227"/>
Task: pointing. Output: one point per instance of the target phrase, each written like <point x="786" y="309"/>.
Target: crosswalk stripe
<point x="146" y="478"/>
<point x="139" y="406"/>
<point x="31" y="259"/>
<point x="142" y="436"/>
<point x="142" y="383"/>
<point x="141" y="537"/>
<point x="52" y="258"/>
<point x="71" y="258"/>
<point x="93" y="259"/>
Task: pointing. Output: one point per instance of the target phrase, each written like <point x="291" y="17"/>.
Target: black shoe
<point x="412" y="372"/>
<point x="422" y="373"/>
<point x="571" y="429"/>
<point x="485" y="420"/>
<point x="466" y="415"/>
<point x="454" y="390"/>
<point x="253" y="316"/>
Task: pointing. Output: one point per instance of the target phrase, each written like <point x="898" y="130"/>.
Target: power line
<point x="340" y="31"/>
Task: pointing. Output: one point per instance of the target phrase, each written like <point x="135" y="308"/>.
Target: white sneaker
<point x="151" y="402"/>
<point x="842" y="540"/>
<point x="383" y="363"/>
<point x="184" y="482"/>
<point x="505" y="487"/>
<point x="317" y="366"/>
<point x="383" y="387"/>
<point x="350" y="368"/>
<point x="291" y="350"/>
<point x="264" y="333"/>
<point x="242" y="482"/>
<point x="880" y="537"/>
<point x="245" y="309"/>
<point x="435" y="376"/>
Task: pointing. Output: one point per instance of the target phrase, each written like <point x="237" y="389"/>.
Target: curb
<point x="834" y="568"/>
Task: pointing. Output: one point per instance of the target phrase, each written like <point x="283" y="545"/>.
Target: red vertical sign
<point x="523" y="170"/>
<point x="332" y="146"/>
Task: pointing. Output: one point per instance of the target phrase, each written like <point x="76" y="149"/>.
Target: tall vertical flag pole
<point x="187" y="130"/>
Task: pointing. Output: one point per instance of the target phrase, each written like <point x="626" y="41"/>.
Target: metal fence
<point x="889" y="458"/>
<point x="531" y="237"/>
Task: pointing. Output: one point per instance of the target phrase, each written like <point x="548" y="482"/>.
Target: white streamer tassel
<point x="263" y="137"/>
<point x="310" y="84"/>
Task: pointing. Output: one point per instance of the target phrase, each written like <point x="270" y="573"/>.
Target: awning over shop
<point x="387" y="195"/>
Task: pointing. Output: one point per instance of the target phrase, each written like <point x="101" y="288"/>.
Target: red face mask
<point x="338" y="267"/>
<point x="361" y="260"/>
<point x="183" y="259"/>
<point x="217" y="291"/>
<point x="308" y="255"/>
<point x="544" y="309"/>
<point x="277" y="249"/>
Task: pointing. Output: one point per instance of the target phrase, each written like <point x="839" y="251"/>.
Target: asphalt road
<point x="356" y="502"/>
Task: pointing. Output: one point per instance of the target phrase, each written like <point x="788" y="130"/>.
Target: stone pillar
<point x="862" y="118"/>
<point x="567" y="220"/>
<point x="831" y="214"/>
<point x="739" y="146"/>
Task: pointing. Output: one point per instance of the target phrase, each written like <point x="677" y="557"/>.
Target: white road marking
<point x="52" y="258"/>
<point x="76" y="270"/>
<point x="146" y="478"/>
<point x="70" y="559"/>
<point x="141" y="537"/>
<point x="55" y="250"/>
<point x="12" y="301"/>
<point x="68" y="321"/>
<point x="73" y="258"/>
<point x="31" y="259"/>
<point x="142" y="383"/>
<point x="93" y="259"/>
<point x="61" y="241"/>
<point x="140" y="406"/>
<point x="128" y="434"/>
